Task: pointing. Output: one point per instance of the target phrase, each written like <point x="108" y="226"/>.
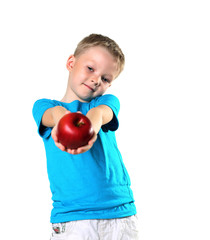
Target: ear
<point x="70" y="62"/>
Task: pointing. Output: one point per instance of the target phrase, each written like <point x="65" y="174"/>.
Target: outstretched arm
<point x="98" y="116"/>
<point x="52" y="116"/>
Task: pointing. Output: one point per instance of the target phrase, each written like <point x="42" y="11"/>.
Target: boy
<point x="90" y="186"/>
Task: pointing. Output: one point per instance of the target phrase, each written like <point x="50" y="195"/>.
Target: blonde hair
<point x="94" y="40"/>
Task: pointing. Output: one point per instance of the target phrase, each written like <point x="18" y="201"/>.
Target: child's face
<point x="91" y="73"/>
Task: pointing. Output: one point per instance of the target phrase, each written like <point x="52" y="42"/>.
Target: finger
<point x="71" y="151"/>
<point x="74" y="151"/>
<point x="54" y="136"/>
<point x="53" y="133"/>
<point x="84" y="148"/>
<point x="60" y="146"/>
<point x="93" y="139"/>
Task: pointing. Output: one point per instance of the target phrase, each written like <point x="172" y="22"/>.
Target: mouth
<point x="93" y="90"/>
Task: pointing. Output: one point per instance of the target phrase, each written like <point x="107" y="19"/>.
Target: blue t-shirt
<point x="91" y="185"/>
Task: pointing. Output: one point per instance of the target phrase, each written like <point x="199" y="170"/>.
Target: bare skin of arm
<point x="98" y="116"/>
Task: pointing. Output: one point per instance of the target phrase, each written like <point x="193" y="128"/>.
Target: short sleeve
<point x="39" y="107"/>
<point x="112" y="102"/>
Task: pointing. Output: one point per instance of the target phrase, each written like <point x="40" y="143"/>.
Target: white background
<point x="164" y="119"/>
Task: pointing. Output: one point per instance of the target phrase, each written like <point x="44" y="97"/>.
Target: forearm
<point x="52" y="115"/>
<point x="99" y="116"/>
<point x="95" y="116"/>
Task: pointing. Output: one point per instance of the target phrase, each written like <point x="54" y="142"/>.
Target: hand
<point x="72" y="151"/>
<point x="83" y="148"/>
<point x="55" y="138"/>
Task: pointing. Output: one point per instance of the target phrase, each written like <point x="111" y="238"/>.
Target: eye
<point x="90" y="68"/>
<point x="105" y="79"/>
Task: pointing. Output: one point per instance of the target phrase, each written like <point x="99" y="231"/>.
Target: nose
<point x="96" y="80"/>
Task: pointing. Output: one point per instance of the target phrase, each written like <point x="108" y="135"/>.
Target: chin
<point x="85" y="99"/>
<point x="88" y="98"/>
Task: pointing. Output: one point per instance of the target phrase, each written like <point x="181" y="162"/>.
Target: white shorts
<point x="100" y="229"/>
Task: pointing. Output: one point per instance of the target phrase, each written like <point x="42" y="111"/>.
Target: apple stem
<point x="80" y="123"/>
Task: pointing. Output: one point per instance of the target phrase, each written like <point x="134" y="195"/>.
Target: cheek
<point x="103" y="89"/>
<point x="78" y="75"/>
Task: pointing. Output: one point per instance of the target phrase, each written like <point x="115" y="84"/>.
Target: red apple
<point x="74" y="130"/>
